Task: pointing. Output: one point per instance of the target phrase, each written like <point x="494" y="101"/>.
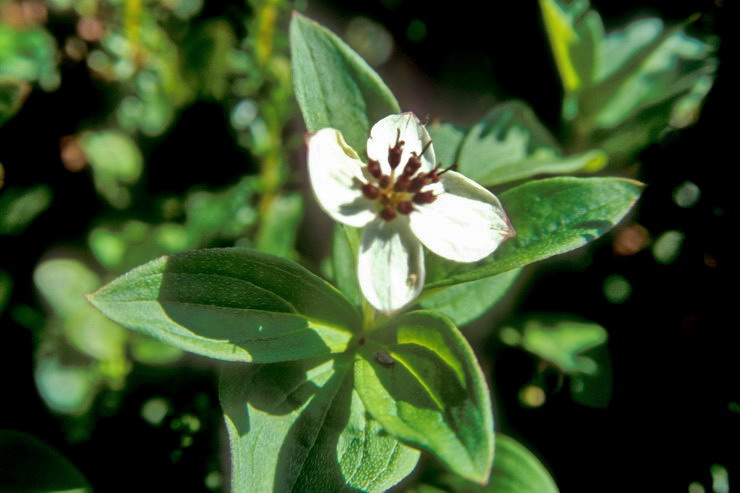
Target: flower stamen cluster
<point x="403" y="200"/>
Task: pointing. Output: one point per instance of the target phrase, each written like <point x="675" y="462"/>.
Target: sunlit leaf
<point x="231" y="304"/>
<point x="20" y="206"/>
<point x="29" y="464"/>
<point x="550" y="216"/>
<point x="511" y="144"/>
<point x="334" y="86"/>
<point x="464" y="303"/>
<point x="300" y="426"/>
<point x="419" y="378"/>
<point x="116" y="162"/>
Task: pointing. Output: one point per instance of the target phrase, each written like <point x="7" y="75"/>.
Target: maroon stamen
<point x="405" y="207"/>
<point x="418" y="183"/>
<point x="388" y="214"/>
<point x="424" y="197"/>
<point x="373" y="167"/>
<point x="384" y="181"/>
<point x="402" y="183"/>
<point x="394" y="153"/>
<point x="412" y="165"/>
<point x="370" y="191"/>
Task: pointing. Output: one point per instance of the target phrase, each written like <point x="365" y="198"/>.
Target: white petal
<point x="390" y="269"/>
<point x="336" y="176"/>
<point x="464" y="224"/>
<point x="415" y="136"/>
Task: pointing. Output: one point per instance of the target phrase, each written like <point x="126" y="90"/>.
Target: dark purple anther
<point x="402" y="183"/>
<point x="424" y="197"/>
<point x="394" y="153"/>
<point x="418" y="183"/>
<point x="412" y="165"/>
<point x="405" y="207"/>
<point x="384" y="181"/>
<point x="370" y="191"/>
<point x="388" y="214"/>
<point x="373" y="167"/>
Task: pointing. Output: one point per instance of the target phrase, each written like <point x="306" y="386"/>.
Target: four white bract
<point x="403" y="200"/>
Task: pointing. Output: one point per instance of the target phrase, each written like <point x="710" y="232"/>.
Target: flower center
<point x="400" y="191"/>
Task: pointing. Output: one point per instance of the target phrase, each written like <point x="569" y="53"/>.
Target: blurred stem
<point x="132" y="23"/>
<point x="264" y="29"/>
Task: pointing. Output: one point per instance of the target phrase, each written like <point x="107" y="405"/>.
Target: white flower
<point x="403" y="200"/>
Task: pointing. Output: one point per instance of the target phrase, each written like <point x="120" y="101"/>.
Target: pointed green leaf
<point x="28" y="464"/>
<point x="551" y="217"/>
<point x="334" y="86"/>
<point x="464" y="303"/>
<point x="232" y="304"/>
<point x="515" y="470"/>
<point x="511" y="144"/>
<point x="300" y="426"/>
<point x="419" y="378"/>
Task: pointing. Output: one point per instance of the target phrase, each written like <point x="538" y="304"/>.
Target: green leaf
<point x="464" y="303"/>
<point x="300" y="426"/>
<point x="20" y="206"/>
<point x="232" y="304"/>
<point x="419" y="378"/>
<point x="344" y="262"/>
<point x="624" y="88"/>
<point x="562" y="343"/>
<point x="116" y="162"/>
<point x="29" y="464"/>
<point x="12" y="94"/>
<point x="511" y="144"/>
<point x="447" y="139"/>
<point x="515" y="470"/>
<point x="334" y="86"/>
<point x="279" y="225"/>
<point x="550" y="216"/>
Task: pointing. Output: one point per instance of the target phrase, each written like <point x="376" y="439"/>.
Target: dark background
<point x="671" y="343"/>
